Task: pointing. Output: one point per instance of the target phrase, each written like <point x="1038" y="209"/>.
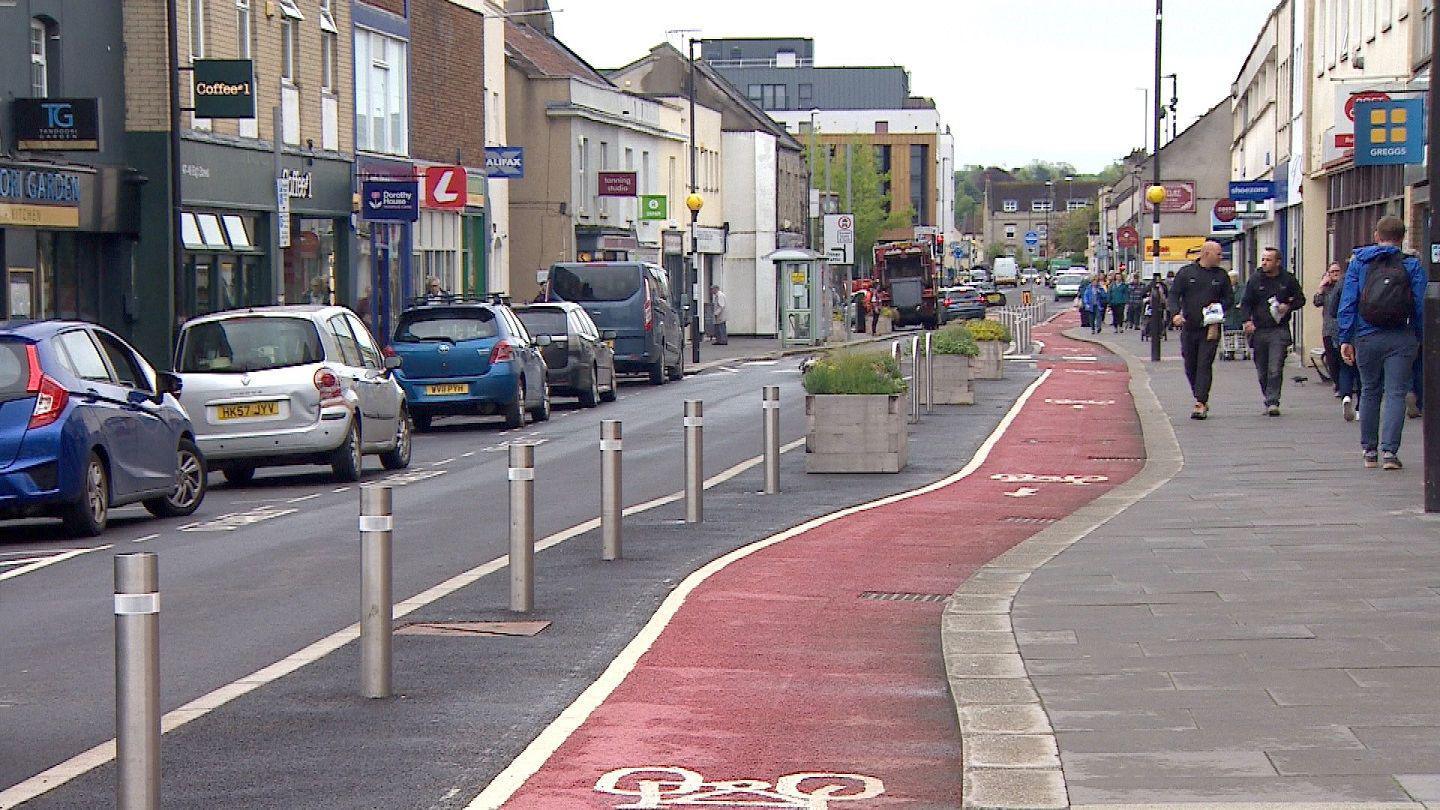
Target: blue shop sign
<point x="505" y="162"/>
<point x="39" y="186"/>
<point x="1390" y="132"/>
<point x="1252" y="190"/>
<point x="390" y="200"/>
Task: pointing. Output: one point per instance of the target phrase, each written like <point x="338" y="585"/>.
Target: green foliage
<point x="988" y="330"/>
<point x="845" y="372"/>
<point x="867" y="187"/>
<point x="954" y="339"/>
<point x="1073" y="235"/>
<point x="995" y="250"/>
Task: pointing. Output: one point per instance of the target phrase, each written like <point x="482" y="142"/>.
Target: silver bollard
<point x="915" y="378"/>
<point x="137" y="681"/>
<point x="376" y="613"/>
<point x="522" y="527"/>
<point x="770" y="409"/>
<point x="929" y="374"/>
<point x="694" y="461"/>
<point x="611" y="501"/>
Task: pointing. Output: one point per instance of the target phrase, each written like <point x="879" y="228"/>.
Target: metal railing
<point x="1021" y="320"/>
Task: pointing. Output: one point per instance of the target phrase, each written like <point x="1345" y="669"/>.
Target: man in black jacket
<point x="1270" y="297"/>
<point x="1197" y="286"/>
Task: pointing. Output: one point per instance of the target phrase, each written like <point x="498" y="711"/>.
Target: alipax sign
<point x="445" y="187"/>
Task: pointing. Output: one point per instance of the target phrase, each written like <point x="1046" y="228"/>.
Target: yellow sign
<point x="1175" y="248"/>
<point x="1026" y="298"/>
<point x="798" y="277"/>
<point x="39" y="216"/>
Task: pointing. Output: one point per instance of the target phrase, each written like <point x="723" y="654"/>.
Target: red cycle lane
<point x="779" y="683"/>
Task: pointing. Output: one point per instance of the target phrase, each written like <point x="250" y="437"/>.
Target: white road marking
<point x="235" y="520"/>
<point x="657" y="785"/>
<point x="103" y="753"/>
<point x="467" y="454"/>
<point x="408" y="477"/>
<point x="1080" y="358"/>
<point x="341" y="489"/>
<point x="728" y="370"/>
<point x="35" y="564"/>
<point x="1022" y="492"/>
<point x="145" y="538"/>
<point x="554" y="735"/>
<point x="312" y="496"/>
<point x="1032" y="478"/>
<point x="762" y="363"/>
<point x="442" y="461"/>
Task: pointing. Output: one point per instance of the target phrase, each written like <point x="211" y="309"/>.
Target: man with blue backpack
<point x="1380" y="317"/>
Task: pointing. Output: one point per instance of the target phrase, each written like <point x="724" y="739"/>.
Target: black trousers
<point x="1117" y="315"/>
<point x="1199" y="354"/>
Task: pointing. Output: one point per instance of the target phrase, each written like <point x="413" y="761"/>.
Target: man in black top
<point x="1198" y="285"/>
<point x="1270" y="297"/>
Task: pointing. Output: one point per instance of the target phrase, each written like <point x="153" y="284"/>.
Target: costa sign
<point x="1225" y="210"/>
<point x="1127" y="237"/>
<point x="445" y="188"/>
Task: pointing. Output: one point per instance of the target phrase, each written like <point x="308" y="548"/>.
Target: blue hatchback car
<point x="462" y="356"/>
<point x="86" y="425"/>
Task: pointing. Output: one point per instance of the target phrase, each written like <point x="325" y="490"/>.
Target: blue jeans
<point x="1385" y="360"/>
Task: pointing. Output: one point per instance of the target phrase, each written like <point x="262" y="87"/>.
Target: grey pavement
<point x="1261" y="629"/>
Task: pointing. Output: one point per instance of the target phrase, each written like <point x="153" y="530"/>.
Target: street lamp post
<point x="1156" y="192"/>
<point x="1050" y="187"/>
<point x="1430" y="343"/>
<point x="694" y="202"/>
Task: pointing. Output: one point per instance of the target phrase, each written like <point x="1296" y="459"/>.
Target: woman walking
<point x="1097" y="298"/>
<point x="1119" y="293"/>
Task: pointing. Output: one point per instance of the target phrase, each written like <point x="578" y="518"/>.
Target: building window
<point x="1075" y="205"/>
<point x="882" y="127"/>
<point x="39" y="63"/>
<point x="1010" y="229"/>
<point x="289" y="49"/>
<point x="1042" y="206"/>
<point x="785" y="59"/>
<point x="329" y="48"/>
<point x="768" y="96"/>
<point x="381" y="95"/>
<point x="1010" y="206"/>
<point x="807" y="95"/>
<point x="1427" y="8"/>
<point x="242" y="28"/>
<point x="919" y="183"/>
<point x="197" y="29"/>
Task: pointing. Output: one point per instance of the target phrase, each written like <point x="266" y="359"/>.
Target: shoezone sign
<point x="666" y="786"/>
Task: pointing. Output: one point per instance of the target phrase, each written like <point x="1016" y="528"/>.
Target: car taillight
<point x="948" y="302"/>
<point x="501" y="353"/>
<point x="389" y="351"/>
<point x="50" y="396"/>
<point x="649" y="314"/>
<point x="327" y="384"/>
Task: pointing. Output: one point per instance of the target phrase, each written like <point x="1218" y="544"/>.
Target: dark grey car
<point x="580" y="358"/>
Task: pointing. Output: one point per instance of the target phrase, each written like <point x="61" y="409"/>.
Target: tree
<point x="869" y="203"/>
<point x="1073" y="235"/>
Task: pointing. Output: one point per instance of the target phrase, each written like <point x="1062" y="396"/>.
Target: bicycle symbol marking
<point x="668" y="786"/>
<point x="1032" y="478"/>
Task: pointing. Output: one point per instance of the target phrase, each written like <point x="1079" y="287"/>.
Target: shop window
<point x="197" y="29"/>
<point x="190" y="232"/>
<point x="68" y="270"/>
<point x="235" y="230"/>
<point x="243" y="23"/>
<point x="211" y="234"/>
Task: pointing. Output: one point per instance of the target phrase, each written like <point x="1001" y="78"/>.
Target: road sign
<point x="445" y="188"/>
<point x="1390" y="132"/>
<point x="840" y="238"/>
<point x="1032" y="238"/>
<point x="1127" y="237"/>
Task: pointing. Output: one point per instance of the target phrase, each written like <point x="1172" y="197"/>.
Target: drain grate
<point x="1116" y="458"/>
<point x="472" y="629"/>
<point x="1027" y="520"/>
<point x="886" y="596"/>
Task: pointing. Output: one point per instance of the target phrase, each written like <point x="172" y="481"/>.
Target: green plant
<point x="988" y="330"/>
<point x="854" y="373"/>
<point x="954" y="339"/>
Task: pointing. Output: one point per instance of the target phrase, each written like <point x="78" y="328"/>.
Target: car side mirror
<point x="607" y="334"/>
<point x="168" y="383"/>
<point x="543" y="340"/>
<point x="393" y="361"/>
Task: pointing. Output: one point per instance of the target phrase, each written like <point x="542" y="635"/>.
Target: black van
<point x="632" y="298"/>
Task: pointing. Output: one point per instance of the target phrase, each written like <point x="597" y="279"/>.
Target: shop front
<point x="67" y="234"/>
<point x="389" y="209"/>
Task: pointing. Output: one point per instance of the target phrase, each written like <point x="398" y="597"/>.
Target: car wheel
<point x="542" y="411"/>
<point x="613" y="392"/>
<point x="346" y="461"/>
<point x="515" y="411"/>
<point x="238" y="474"/>
<point x="398" y="458"/>
<point x="657" y="371"/>
<point x="678" y="371"/>
<point x="422" y="421"/>
<point x="189" y="484"/>
<point x="87" y="517"/>
<point x="590" y="397"/>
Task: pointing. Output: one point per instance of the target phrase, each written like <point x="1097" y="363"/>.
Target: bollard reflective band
<point x="770" y="404"/>
<point x="610" y="444"/>
<point x="522" y="473"/>
<point x="694" y="421"/>
<point x="136" y="604"/>
<point x="377" y="523"/>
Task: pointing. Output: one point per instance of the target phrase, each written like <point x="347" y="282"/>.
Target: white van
<point x="1007" y="272"/>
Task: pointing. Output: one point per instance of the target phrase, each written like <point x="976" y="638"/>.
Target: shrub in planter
<point x="987" y="330"/>
<point x="992" y="337"/>
<point x="953" y="347"/>
<point x="854" y="418"/>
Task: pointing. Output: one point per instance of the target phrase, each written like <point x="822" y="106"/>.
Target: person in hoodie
<point x="1119" y="299"/>
<point x="1383" y="352"/>
<point x="1269" y="299"/>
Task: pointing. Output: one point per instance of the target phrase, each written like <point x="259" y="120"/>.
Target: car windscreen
<point x="595" y="282"/>
<point x="544" y="320"/>
<point x="447" y="325"/>
<point x="14" y="370"/>
<point x="236" y="345"/>
<point x="1069" y="279"/>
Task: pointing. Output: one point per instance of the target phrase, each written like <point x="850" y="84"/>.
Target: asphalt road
<point x="263" y="570"/>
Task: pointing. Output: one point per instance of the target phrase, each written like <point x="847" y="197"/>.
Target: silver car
<point x="290" y="385"/>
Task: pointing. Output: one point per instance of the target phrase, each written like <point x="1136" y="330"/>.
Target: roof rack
<point x="435" y="299"/>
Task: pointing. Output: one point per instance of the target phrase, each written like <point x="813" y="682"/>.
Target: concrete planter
<point x="855" y="433"/>
<point x="952" y="380"/>
<point x="990" y="364"/>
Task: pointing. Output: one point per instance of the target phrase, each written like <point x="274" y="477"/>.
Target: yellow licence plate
<point x="444" y="390"/>
<point x="248" y="410"/>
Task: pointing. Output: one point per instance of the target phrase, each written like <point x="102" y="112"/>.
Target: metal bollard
<point x="137" y="681"/>
<point x="522" y="527"/>
<point x="929" y="374"/>
<point x="694" y="461"/>
<point x="770" y="410"/>
<point x="611" y="501"/>
<point x="376" y="613"/>
<point x="915" y="378"/>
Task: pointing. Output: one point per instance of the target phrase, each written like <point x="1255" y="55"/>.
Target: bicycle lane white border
<point x="95" y="757"/>
<point x="504" y="786"/>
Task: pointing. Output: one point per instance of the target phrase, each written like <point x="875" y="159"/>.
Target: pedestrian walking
<point x="1267" y="304"/>
<point x="1119" y="293"/>
<point x="1095" y="302"/>
<point x="1381" y="315"/>
<point x="1342" y="374"/>
<point x="1138" y="293"/>
<point x="1080" y="299"/>
<point x="718" y="333"/>
<point x="1156" y="302"/>
<point x="872" y="302"/>
<point x="1199" y="295"/>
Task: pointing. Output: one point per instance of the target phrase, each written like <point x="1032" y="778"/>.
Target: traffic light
<point x="939" y="250"/>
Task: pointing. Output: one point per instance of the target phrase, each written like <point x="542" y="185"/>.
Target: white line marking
<point x="467" y="454"/>
<point x="728" y="370"/>
<point x="544" y="746"/>
<point x="762" y="363"/>
<point x="103" y="753"/>
<point x="36" y="566"/>
<point x="312" y="496"/>
<point x="1022" y="492"/>
<point x="341" y="489"/>
<point x="145" y="538"/>
<point x="442" y="461"/>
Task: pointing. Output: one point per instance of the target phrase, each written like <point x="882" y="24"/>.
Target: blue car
<point x="87" y="425"/>
<point x="466" y="357"/>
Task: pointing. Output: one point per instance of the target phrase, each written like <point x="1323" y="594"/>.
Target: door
<point x="383" y="393"/>
<point x="155" y="457"/>
<point x="532" y="362"/>
<point x="108" y="410"/>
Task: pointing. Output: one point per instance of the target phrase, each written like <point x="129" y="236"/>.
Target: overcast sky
<point x="1017" y="80"/>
